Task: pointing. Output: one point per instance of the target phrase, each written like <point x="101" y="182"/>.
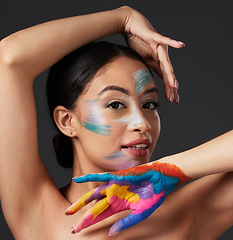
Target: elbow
<point x="8" y="52"/>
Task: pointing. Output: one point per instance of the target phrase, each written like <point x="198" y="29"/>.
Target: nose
<point x="139" y="123"/>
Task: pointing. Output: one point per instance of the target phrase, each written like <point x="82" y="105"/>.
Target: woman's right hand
<point x="141" y="189"/>
<point x="153" y="47"/>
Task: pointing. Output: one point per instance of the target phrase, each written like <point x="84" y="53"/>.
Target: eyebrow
<point x="154" y="89"/>
<point x="125" y="91"/>
<point x="112" y="87"/>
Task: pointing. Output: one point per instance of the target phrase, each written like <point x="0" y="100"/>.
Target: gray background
<point x="203" y="69"/>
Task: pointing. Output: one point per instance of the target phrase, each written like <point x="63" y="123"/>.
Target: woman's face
<point x="118" y="120"/>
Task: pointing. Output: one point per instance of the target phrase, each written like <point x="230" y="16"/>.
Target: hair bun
<point x="64" y="150"/>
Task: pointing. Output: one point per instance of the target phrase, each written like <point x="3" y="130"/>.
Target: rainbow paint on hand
<point x="141" y="189"/>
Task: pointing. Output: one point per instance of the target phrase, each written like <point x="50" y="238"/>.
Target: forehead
<point x="122" y="72"/>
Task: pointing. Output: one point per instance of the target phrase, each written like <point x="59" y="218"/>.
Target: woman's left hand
<point x="141" y="189"/>
<point x="153" y="47"/>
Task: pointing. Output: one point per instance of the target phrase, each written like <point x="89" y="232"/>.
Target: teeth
<point x="139" y="146"/>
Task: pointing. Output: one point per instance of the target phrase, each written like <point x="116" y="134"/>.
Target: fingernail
<point x="181" y="43"/>
<point x="171" y="98"/>
<point x="72" y="230"/>
<point x="176" y="84"/>
<point x="112" y="234"/>
<point x="177" y="98"/>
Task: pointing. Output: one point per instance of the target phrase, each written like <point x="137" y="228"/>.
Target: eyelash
<point x="111" y="105"/>
<point x="155" y="105"/>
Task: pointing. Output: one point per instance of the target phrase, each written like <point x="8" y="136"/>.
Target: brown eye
<point x="116" y="105"/>
<point x="150" y="105"/>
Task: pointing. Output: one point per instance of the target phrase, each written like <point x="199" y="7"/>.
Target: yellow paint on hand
<point x="121" y="192"/>
<point x="100" y="207"/>
<point x="81" y="202"/>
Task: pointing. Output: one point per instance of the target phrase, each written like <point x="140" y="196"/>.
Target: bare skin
<point x="32" y="205"/>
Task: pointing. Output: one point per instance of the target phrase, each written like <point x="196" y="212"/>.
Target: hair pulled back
<point x="68" y="78"/>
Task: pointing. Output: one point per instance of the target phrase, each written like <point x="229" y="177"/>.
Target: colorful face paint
<point x="94" y="119"/>
<point x="120" y="160"/>
<point x="142" y="78"/>
<point x="134" y="119"/>
<point x="141" y="189"/>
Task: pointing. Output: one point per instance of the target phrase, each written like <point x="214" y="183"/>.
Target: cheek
<point x="155" y="127"/>
<point x="94" y="120"/>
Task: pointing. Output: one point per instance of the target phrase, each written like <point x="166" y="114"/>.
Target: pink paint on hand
<point x="141" y="189"/>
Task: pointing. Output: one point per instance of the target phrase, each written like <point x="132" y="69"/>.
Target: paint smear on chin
<point x="120" y="160"/>
<point x="94" y="120"/>
<point x="141" y="78"/>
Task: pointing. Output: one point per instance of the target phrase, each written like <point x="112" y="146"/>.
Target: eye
<point x="116" y="105"/>
<point x="151" y="105"/>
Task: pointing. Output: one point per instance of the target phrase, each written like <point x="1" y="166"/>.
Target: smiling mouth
<point x="138" y="150"/>
<point x="137" y="147"/>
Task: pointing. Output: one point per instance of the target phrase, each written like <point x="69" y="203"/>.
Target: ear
<point x="66" y="121"/>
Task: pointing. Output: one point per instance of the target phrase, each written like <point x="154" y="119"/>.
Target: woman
<point x="32" y="205"/>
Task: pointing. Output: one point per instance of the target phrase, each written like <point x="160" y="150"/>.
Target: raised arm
<point x="50" y="41"/>
<point x="26" y="54"/>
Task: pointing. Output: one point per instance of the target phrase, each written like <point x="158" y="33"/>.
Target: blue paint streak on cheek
<point x="94" y="119"/>
<point x="103" y="130"/>
<point x="142" y="78"/>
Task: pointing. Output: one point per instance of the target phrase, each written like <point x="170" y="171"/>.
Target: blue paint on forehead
<point x="142" y="78"/>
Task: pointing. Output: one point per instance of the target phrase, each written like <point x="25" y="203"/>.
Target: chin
<point x="117" y="166"/>
<point x="121" y="160"/>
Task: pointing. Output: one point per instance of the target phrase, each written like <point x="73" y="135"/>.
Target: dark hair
<point x="68" y="78"/>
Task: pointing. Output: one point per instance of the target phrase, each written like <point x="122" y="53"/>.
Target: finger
<point x="99" y="212"/>
<point x="97" y="193"/>
<point x="168" y="90"/>
<point x="94" y="177"/>
<point x="176" y="96"/>
<point x="166" y="66"/>
<point x="156" y="68"/>
<point x="133" y="219"/>
<point x="160" y="39"/>
<point x="125" y="223"/>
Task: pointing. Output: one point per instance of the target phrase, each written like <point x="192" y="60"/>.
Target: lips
<point x="138" y="147"/>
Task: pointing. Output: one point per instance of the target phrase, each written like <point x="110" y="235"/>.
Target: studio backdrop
<point x="203" y="69"/>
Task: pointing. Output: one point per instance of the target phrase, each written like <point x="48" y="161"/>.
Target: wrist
<point x="172" y="174"/>
<point x="123" y="14"/>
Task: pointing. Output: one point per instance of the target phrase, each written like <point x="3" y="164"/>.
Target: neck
<point x="74" y="191"/>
